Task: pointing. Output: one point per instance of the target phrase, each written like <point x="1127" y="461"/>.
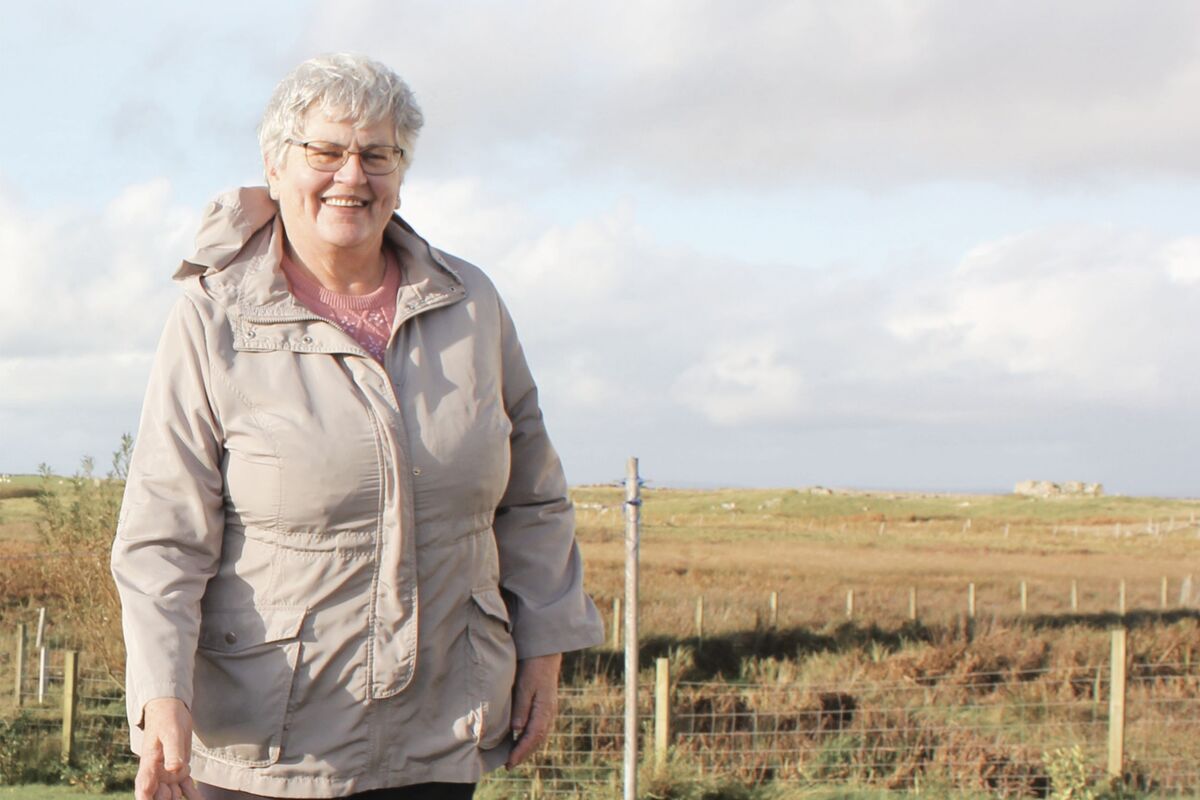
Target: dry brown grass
<point x="694" y="545"/>
<point x="879" y="699"/>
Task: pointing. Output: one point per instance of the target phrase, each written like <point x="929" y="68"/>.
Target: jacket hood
<point x="243" y="226"/>
<point x="229" y="222"/>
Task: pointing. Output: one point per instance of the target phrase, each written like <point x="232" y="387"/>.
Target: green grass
<point x="34" y="791"/>
<point x="19" y="509"/>
<point x="895" y="505"/>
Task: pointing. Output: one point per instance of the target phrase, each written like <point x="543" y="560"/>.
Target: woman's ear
<point x="271" y="174"/>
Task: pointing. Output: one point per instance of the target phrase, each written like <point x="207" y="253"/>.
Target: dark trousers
<point x="421" y="791"/>
<point x="417" y="791"/>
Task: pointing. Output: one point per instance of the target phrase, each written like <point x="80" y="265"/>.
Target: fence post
<point x="1074" y="596"/>
<point x="70" y="702"/>
<point x="849" y="604"/>
<point x="699" y="619"/>
<point x="662" y="711"/>
<point x="1116" y="705"/>
<point x="773" y="604"/>
<point x="1162" y="598"/>
<point x="912" y="603"/>
<point x="41" y="628"/>
<point x="971" y="600"/>
<point x="43" y="666"/>
<point x="20" y="663"/>
<point x="616" y="629"/>
<point x="1121" y="598"/>
<point x="1024" y="598"/>
<point x="633" y="504"/>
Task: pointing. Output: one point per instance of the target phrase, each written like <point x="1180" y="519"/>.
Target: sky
<point x="924" y="245"/>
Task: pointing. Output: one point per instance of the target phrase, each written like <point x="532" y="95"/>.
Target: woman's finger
<point x="190" y="790"/>
<point x="522" y="698"/>
<point x="145" y="785"/>
<point x="542" y="709"/>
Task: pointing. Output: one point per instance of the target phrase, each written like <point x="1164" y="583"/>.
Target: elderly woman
<point x="346" y="555"/>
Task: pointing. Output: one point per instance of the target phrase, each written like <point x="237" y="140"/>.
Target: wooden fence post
<point x="616" y="624"/>
<point x="662" y="712"/>
<point x="20" y="663"/>
<point x="1074" y="596"/>
<point x="912" y="603"/>
<point x="971" y="600"/>
<point x="1121" y="598"/>
<point x="700" y="618"/>
<point x="633" y="508"/>
<point x="1024" y="598"/>
<point x="43" y="666"/>
<point x="70" y="702"/>
<point x="1116" y="706"/>
<point x="773" y="607"/>
<point x="849" y="604"/>
<point x="1162" y="598"/>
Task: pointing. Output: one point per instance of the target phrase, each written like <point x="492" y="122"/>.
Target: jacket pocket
<point x="245" y="663"/>
<point x="493" y="667"/>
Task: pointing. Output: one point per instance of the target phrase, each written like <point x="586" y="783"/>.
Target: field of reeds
<point x="820" y="643"/>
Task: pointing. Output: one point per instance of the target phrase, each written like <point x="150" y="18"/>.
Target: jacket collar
<point x="242" y="227"/>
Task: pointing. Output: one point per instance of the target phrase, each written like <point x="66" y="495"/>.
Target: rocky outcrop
<point x="1051" y="489"/>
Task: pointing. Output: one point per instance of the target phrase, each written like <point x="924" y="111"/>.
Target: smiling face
<point x="333" y="216"/>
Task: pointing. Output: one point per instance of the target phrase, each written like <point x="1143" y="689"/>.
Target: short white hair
<point x="347" y="88"/>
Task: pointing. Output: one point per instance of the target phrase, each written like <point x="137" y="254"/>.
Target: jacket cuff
<point x="538" y="638"/>
<point x="140" y="695"/>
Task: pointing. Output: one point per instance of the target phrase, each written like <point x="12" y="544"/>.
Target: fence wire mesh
<point x="994" y="732"/>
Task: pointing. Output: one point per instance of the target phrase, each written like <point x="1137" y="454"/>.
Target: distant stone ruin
<point x="1051" y="489"/>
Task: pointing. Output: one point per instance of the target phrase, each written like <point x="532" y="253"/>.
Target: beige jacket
<point x="335" y="563"/>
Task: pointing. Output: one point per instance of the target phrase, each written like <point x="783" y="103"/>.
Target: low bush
<point x="17" y="492"/>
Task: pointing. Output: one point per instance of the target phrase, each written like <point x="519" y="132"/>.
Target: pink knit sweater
<point x="366" y="317"/>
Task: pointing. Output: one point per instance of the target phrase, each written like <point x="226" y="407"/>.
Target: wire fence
<point x="996" y="732"/>
<point x="992" y="732"/>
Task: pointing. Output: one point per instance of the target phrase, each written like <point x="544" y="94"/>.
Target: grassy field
<point x="39" y="792"/>
<point x="733" y="548"/>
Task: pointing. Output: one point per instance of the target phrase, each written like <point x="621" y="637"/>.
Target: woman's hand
<point x="535" y="702"/>
<point x="164" y="772"/>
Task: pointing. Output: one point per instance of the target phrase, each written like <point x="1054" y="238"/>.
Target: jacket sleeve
<point x="540" y="568"/>
<point x="168" y="541"/>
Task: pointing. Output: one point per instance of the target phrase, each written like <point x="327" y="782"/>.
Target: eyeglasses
<point x="378" y="159"/>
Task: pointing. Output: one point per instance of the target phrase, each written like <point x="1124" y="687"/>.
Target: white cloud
<point x="738" y="383"/>
<point x="1182" y="258"/>
<point x="1092" y="314"/>
<point x="56" y="383"/>
<point x="644" y="348"/>
<point x="1061" y="317"/>
<point x="697" y="93"/>
<point x="86" y="291"/>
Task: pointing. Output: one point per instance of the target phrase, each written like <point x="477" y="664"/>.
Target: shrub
<point x="77" y="523"/>
<point x="27" y="755"/>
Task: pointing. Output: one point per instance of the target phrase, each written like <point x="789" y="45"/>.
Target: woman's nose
<point x="351" y="171"/>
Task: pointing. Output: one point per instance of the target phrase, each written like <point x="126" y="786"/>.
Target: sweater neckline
<point x="307" y="288"/>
